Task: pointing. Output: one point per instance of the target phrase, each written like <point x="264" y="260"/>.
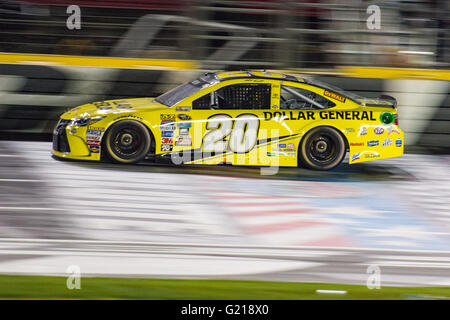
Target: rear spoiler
<point x="390" y="98"/>
<point x="382" y="101"/>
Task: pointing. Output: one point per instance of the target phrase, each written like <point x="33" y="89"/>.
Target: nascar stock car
<point x="240" y="118"/>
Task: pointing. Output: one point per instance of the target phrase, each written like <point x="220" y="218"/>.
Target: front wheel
<point x="322" y="148"/>
<point x="127" y="141"/>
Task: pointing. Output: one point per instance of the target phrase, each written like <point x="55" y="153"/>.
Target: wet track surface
<point x="158" y="220"/>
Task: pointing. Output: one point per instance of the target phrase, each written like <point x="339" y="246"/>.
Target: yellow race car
<point x="240" y="118"/>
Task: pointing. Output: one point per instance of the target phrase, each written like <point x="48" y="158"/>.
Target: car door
<point x="298" y="107"/>
<point x="229" y="123"/>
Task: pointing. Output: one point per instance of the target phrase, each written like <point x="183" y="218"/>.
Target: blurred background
<point x="333" y="40"/>
<point x="253" y="33"/>
<point x="221" y="222"/>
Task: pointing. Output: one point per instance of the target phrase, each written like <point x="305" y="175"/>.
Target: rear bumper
<point x="372" y="146"/>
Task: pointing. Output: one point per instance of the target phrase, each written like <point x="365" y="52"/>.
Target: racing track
<point x="156" y="220"/>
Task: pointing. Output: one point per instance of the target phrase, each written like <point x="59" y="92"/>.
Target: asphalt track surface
<point x="223" y="222"/>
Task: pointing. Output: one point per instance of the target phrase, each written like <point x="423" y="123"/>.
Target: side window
<point x="203" y="103"/>
<point x="296" y="98"/>
<point x="236" y="96"/>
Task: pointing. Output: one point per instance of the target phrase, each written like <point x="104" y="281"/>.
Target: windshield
<point x="349" y="95"/>
<point x="180" y="93"/>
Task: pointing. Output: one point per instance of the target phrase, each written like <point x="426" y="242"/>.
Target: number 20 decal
<point x="242" y="132"/>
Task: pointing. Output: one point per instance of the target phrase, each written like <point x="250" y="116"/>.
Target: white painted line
<point x="297" y="235"/>
<point x="412" y="258"/>
<point x="19" y="180"/>
<point x="130" y="214"/>
<point x="28" y="208"/>
<point x="261" y="201"/>
<point x="154" y="265"/>
<point x="118" y="193"/>
<point x="332" y="291"/>
<point x="147" y="197"/>
<point x="409" y="264"/>
<point x="343" y="250"/>
<point x="263" y="207"/>
<point x="280" y="217"/>
<point x="148" y="205"/>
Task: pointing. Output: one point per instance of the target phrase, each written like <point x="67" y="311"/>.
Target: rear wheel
<point x="322" y="148"/>
<point x="127" y="141"/>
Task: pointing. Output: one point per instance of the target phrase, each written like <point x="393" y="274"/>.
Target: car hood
<point x="103" y="108"/>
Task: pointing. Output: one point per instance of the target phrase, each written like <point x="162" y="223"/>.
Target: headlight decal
<point x="82" y="122"/>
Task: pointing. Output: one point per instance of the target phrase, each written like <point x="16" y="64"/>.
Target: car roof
<point x="229" y="75"/>
<point x="244" y="74"/>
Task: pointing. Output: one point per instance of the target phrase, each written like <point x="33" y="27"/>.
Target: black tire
<point x="322" y="148"/>
<point x="127" y="141"/>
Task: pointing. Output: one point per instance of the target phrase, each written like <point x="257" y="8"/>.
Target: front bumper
<point x="70" y="142"/>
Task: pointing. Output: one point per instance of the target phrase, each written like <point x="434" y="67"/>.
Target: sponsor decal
<point x="166" y="140"/>
<point x="378" y="130"/>
<point x="184" y="141"/>
<point x="184" y="131"/>
<point x="184" y="117"/>
<point x="94" y="148"/>
<point x="372" y="155"/>
<point x="93" y="138"/>
<point x="167" y="125"/>
<point x="372" y="143"/>
<point x="96" y="128"/>
<point x="167" y="134"/>
<point x="167" y="128"/>
<point x="286" y="148"/>
<point x="362" y="131"/>
<point x="356" y="156"/>
<point x="106" y="105"/>
<point x="167" y="117"/>
<point x="387" y="142"/>
<point x="283" y="153"/>
<point x="183" y="109"/>
<point x="128" y="117"/>
<point x="124" y="106"/>
<point x="102" y="105"/>
<point x="398" y="142"/>
<point x="272" y="154"/>
<point x="356" y="144"/>
<point x="93" y="142"/>
<point x="93" y="133"/>
<point x="348" y="130"/>
<point x="392" y="129"/>
<point x="324" y="115"/>
<point x="184" y="124"/>
<point x="387" y="117"/>
<point x="334" y="96"/>
<point x="166" y="147"/>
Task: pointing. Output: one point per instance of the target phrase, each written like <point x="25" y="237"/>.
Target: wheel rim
<point x="127" y="142"/>
<point x="323" y="148"/>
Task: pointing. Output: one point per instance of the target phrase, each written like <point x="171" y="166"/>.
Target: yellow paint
<point x="281" y="127"/>
<point x="105" y="62"/>
<point x="395" y="73"/>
